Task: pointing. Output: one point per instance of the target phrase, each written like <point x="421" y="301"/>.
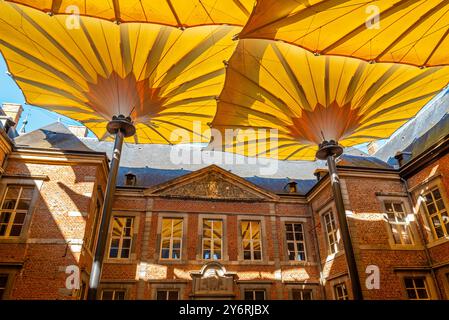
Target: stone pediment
<point x="211" y="183"/>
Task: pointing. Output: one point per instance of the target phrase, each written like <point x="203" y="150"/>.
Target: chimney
<point x="131" y="179"/>
<point x="13" y="111"/>
<point x="373" y="146"/>
<point x="402" y="157"/>
<point x="319" y="173"/>
<point x="79" y="131"/>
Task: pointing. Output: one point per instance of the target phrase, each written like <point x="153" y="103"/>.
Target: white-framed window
<point x="255" y="294"/>
<point x="416" y="288"/>
<point x="296" y="249"/>
<point x="341" y="292"/>
<point x="436" y="212"/>
<point x="166" y="294"/>
<point x="171" y="238"/>
<point x="15" y="206"/>
<point x="332" y="234"/>
<point x="301" y="294"/>
<point x="212" y="239"/>
<point x="113" y="294"/>
<point x="3" y="283"/>
<point x="121" y="237"/>
<point x="397" y="219"/>
<point x="251" y="240"/>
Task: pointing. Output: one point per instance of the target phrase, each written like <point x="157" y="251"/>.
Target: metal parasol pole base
<point x="329" y="150"/>
<point x="122" y="127"/>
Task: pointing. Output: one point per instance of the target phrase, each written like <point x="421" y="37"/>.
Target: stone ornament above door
<point x="213" y="282"/>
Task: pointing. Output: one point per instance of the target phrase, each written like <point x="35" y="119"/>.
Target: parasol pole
<point x="122" y="127"/>
<point x="329" y="150"/>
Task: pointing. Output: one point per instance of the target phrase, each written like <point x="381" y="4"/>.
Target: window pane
<point x="19" y="218"/>
<point x="173" y="295"/>
<point x="245" y="230"/>
<point x="290" y="236"/>
<point x="166" y="228"/>
<point x="398" y="207"/>
<point x="259" y="295"/>
<point x="161" y="295"/>
<point x="23" y="204"/>
<point x="249" y="295"/>
<point x="125" y="253"/>
<point x="257" y="255"/>
<point x="15" y="230"/>
<point x="165" y="253"/>
<point x="119" y="295"/>
<point x="411" y="294"/>
<point x="436" y="194"/>
<point x="107" y="295"/>
<point x="4" y="217"/>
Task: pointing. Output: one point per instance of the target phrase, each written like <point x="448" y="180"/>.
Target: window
<point x="397" y="218"/>
<point x="171" y="242"/>
<point x="251" y="240"/>
<point x="341" y="292"/>
<point x="332" y="235"/>
<point x="113" y="294"/>
<point x="254" y="294"/>
<point x="416" y="288"/>
<point x="121" y="238"/>
<point x="437" y="212"/>
<point x="15" y="205"/>
<point x="212" y="239"/>
<point x="298" y="294"/>
<point x="3" y="283"/>
<point x="81" y="294"/>
<point x="94" y="227"/>
<point x="167" y="295"/>
<point x="295" y="241"/>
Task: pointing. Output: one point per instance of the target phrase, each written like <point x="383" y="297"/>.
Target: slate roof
<point x="54" y="136"/>
<point x="152" y="163"/>
<point x="415" y="135"/>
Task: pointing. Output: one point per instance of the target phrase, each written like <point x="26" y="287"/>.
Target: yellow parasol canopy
<point x="414" y="32"/>
<point x="165" y="78"/>
<point x="308" y="99"/>
<point x="177" y="13"/>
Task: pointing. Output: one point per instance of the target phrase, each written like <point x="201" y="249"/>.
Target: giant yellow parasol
<point x="412" y="32"/>
<point x="308" y="99"/>
<point x="177" y="13"/>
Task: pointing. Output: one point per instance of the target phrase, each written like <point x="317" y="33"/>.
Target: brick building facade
<point x="212" y="234"/>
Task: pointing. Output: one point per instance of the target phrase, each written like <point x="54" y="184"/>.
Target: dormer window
<point x="131" y="179"/>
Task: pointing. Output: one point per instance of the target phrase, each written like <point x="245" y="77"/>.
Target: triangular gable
<point x="211" y="182"/>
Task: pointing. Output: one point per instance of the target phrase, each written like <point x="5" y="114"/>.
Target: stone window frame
<point x="184" y="247"/>
<point x="418" y="191"/>
<point x="412" y="222"/>
<point x="11" y="271"/>
<point x="90" y="240"/>
<point x="337" y="281"/>
<point x="264" y="242"/>
<point x="224" y="242"/>
<point x="325" y="209"/>
<point x="180" y="287"/>
<point x="37" y="184"/>
<point x="313" y="288"/>
<point x="307" y="242"/>
<point x="248" y="285"/>
<point x="115" y="286"/>
<point x="430" y="285"/>
<point x="133" y="255"/>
